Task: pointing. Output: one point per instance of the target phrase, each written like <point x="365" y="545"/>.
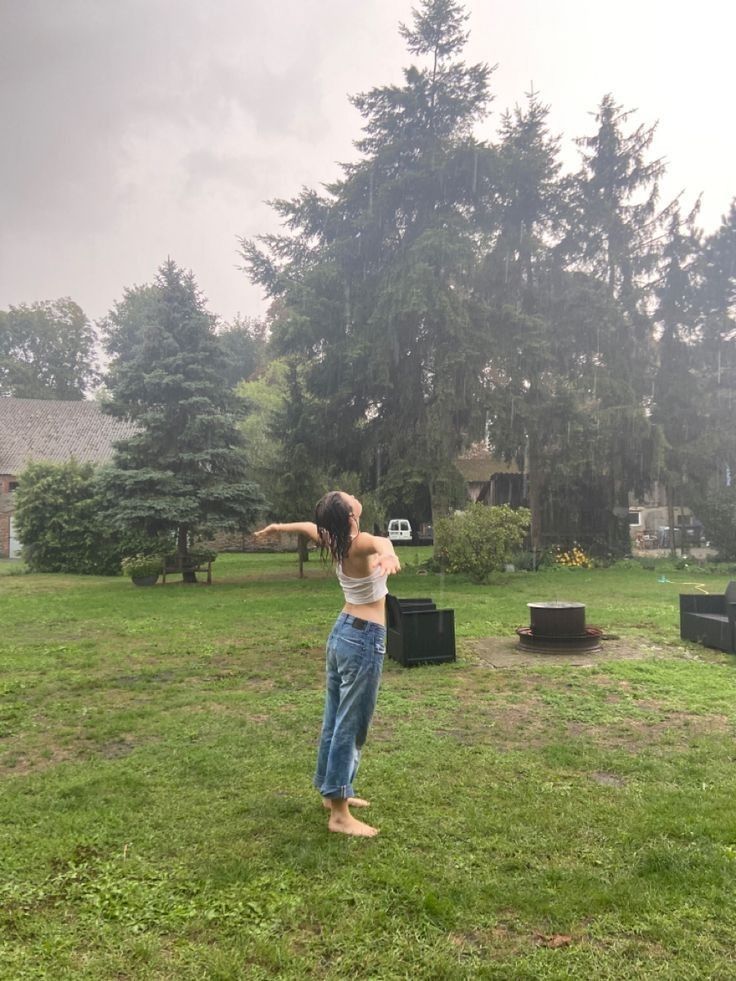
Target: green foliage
<point x="243" y="344"/>
<point x="717" y="511"/>
<point x="481" y="539"/>
<point x="185" y="472"/>
<point x="58" y="518"/>
<point x="296" y="481"/>
<point x="142" y="565"/>
<point x="529" y="561"/>
<point x="375" y="275"/>
<point x="46" y="351"/>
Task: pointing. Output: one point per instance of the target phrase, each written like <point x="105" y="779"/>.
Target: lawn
<point x="157" y="819"/>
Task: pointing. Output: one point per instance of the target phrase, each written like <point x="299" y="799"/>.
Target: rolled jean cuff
<point x="335" y="793"/>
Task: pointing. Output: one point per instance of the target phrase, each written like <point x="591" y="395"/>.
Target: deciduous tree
<point x="47" y="351"/>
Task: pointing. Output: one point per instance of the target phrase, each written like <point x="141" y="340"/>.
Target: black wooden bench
<point x="172" y="565"/>
<point x="710" y="620"/>
<point x="418" y="633"/>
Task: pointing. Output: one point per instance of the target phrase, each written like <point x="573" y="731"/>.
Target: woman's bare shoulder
<point x="364" y="544"/>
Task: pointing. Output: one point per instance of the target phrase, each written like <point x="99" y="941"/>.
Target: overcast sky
<point x="137" y="129"/>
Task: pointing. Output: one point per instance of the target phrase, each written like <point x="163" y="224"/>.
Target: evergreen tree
<point x="678" y="401"/>
<point x="295" y="483"/>
<point x="184" y="474"/>
<point x="618" y="223"/>
<point x="615" y="236"/>
<point x="376" y="276"/>
<point x="717" y="368"/>
<point x="516" y="280"/>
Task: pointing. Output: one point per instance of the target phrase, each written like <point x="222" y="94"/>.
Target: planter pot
<point x="144" y="580"/>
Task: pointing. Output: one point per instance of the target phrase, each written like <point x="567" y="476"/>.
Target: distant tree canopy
<point x="185" y="473"/>
<point x="446" y="289"/>
<point x="243" y="344"/>
<point x="46" y="351"/>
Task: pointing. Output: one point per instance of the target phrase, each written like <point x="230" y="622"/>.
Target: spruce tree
<point x="717" y="367"/>
<point x="615" y="236"/>
<point x="516" y="282"/>
<point x="185" y="473"/>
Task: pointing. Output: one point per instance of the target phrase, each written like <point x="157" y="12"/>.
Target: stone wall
<point x="236" y="541"/>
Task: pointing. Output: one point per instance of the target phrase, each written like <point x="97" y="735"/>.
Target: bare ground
<point x="504" y="652"/>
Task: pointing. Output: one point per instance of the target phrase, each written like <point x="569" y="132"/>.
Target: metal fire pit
<point x="558" y="628"/>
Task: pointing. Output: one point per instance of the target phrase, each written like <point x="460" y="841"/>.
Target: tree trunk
<point x="303" y="553"/>
<point x="671" y="520"/>
<point x="188" y="575"/>
<point x="439" y="492"/>
<point x="536" y="494"/>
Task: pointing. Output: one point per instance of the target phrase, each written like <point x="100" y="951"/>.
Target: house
<point x="490" y="480"/>
<point x="33" y="430"/>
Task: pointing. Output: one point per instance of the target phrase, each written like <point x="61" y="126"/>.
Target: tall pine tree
<point x="677" y="399"/>
<point x="377" y="274"/>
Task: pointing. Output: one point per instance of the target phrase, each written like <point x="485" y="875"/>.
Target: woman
<point x="355" y="649"/>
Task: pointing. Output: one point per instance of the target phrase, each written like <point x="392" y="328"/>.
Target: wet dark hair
<point x="332" y="517"/>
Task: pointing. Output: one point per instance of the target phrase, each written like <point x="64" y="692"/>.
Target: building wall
<point x="6" y="509"/>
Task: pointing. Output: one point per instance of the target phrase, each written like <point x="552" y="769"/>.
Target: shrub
<point x="141" y="566"/>
<point x="57" y="514"/>
<point x="526" y="561"/>
<point x="573" y="558"/>
<point x="480" y="539"/>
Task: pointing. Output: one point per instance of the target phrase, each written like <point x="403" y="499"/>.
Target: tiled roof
<point x="41" y="429"/>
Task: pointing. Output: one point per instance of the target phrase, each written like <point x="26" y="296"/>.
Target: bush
<point x="141" y="566"/>
<point x="480" y="539"/>
<point x="526" y="561"/>
<point x="57" y="514"/>
<point x="573" y="558"/>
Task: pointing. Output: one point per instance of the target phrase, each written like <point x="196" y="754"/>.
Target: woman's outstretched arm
<point x="388" y="560"/>
<point x="308" y="528"/>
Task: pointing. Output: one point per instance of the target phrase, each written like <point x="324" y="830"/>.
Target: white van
<point x="399" y="531"/>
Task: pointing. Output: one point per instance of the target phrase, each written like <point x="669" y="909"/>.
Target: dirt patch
<point x="608" y="779"/>
<point x="631" y="734"/>
<point x="504" y="652"/>
<point x="21" y="764"/>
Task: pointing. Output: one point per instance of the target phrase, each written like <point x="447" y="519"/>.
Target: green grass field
<point x="157" y="819"/>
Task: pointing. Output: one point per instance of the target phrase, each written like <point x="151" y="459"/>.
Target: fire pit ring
<point x="559" y="628"/>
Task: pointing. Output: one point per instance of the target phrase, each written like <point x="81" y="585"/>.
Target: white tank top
<point x="366" y="590"/>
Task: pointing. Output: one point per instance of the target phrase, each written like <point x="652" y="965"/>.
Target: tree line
<point x="446" y="289"/>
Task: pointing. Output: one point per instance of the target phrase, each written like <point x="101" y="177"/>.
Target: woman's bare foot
<point x="345" y="823"/>
<point x="342" y="820"/>
<point x="352" y="802"/>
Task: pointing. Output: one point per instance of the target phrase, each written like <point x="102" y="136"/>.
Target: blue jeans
<point x="355" y="650"/>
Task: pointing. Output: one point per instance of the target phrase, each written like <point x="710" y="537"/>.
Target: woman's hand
<point x="268" y="530"/>
<point x="388" y="564"/>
